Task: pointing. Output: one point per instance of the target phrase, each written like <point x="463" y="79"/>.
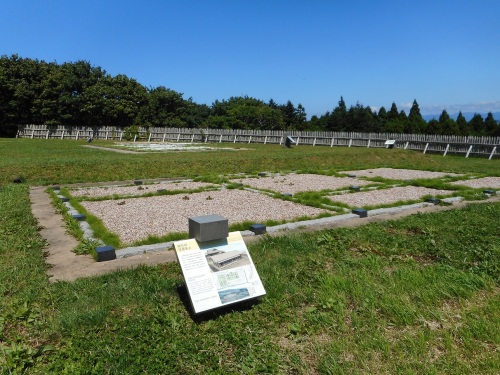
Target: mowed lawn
<point x="416" y="295"/>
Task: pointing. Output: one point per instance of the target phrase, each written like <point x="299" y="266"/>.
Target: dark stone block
<point x="287" y="195"/>
<point x="258" y="228"/>
<point x="490" y="192"/>
<point x="433" y="200"/>
<point x="262" y="174"/>
<point x="351" y="175"/>
<point x="355" y="188"/>
<point x="64" y="199"/>
<point x="56" y="188"/>
<point x="105" y="253"/>
<point x="78" y="217"/>
<point x="138" y="182"/>
<point x="361" y="212"/>
<point x="208" y="227"/>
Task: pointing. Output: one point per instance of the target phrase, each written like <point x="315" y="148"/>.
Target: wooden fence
<point x="466" y="145"/>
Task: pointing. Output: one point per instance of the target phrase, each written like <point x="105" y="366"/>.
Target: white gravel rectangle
<point x="477" y="183"/>
<point x="136" y="218"/>
<point x="294" y="183"/>
<point x="399" y="174"/>
<point x="386" y="196"/>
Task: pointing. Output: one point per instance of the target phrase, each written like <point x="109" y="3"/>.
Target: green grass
<point x="416" y="295"/>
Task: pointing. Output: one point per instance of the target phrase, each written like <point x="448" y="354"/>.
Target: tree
<point x="476" y="123"/>
<point x="415" y="124"/>
<point x="447" y="124"/>
<point x="463" y="126"/>
<point x="490" y="125"/>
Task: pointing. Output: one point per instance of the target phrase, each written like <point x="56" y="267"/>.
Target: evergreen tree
<point x="476" y="123"/>
<point x="490" y="125"/>
<point x="463" y="126"/>
<point x="415" y="124"/>
<point x="447" y="124"/>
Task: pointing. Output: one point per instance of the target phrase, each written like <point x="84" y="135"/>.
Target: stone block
<point x="137" y="182"/>
<point x="361" y="212"/>
<point x="78" y="217"/>
<point x="208" y="227"/>
<point x="489" y="192"/>
<point x="433" y="200"/>
<point x="64" y="199"/>
<point x="105" y="253"/>
<point x="258" y="228"/>
<point x="355" y="188"/>
<point x="287" y="195"/>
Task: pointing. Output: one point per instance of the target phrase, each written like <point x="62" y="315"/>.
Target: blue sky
<point x="445" y="54"/>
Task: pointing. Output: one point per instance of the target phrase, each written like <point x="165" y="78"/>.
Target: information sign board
<point x="219" y="272"/>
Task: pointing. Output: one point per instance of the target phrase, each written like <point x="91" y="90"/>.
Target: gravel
<point x="386" y="196"/>
<point x="137" y="190"/>
<point x="485" y="182"/>
<point x="399" y="174"/>
<point x="136" y="219"/>
<point x="295" y="183"/>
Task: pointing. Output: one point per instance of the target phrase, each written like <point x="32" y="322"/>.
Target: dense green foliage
<point x="77" y="93"/>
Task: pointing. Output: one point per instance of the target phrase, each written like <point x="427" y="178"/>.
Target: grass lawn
<point x="416" y="295"/>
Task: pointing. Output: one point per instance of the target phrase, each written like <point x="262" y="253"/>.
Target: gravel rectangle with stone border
<point x="399" y="174"/>
<point x="136" y="218"/>
<point x="485" y="182"/>
<point x="386" y="196"/>
<point x="294" y="183"/>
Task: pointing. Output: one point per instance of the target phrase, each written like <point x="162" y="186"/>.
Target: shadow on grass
<point x="215" y="313"/>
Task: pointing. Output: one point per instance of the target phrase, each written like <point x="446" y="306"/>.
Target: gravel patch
<point x="295" y="183"/>
<point x="485" y="182"/>
<point x="386" y="196"/>
<point x="137" y="190"/>
<point x="399" y="174"/>
<point x="136" y="219"/>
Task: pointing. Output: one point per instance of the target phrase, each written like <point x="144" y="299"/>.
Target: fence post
<point x="331" y="144"/>
<point x="368" y="146"/>
<point x="192" y="138"/>
<point x="220" y="139"/>
<point x="406" y="145"/>
<point x="446" y="151"/>
<point x="297" y="143"/>
<point x="249" y="139"/>
<point x="121" y="136"/>
<point x="350" y="142"/>
<point x="314" y="142"/>
<point x="107" y="134"/>
<point x="425" y="149"/>
<point x="77" y="134"/>
<point x="62" y="135"/>
<point x="492" y="152"/>
<point x="234" y="141"/>
<point x="281" y="140"/>
<point x="265" y="139"/>
<point x="164" y="135"/>
<point x="135" y="137"/>
<point x="468" y="152"/>
<point x="47" y="136"/>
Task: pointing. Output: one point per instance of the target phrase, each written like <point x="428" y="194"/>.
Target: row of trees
<point x="77" y="93"/>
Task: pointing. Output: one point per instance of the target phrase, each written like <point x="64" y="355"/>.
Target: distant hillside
<point x="467" y="115"/>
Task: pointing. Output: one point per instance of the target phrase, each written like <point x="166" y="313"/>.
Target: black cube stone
<point x="489" y="192"/>
<point x="355" y="188"/>
<point x="351" y="175"/>
<point x="105" y="253"/>
<point x="56" y="188"/>
<point x="78" y="217"/>
<point x="361" y="212"/>
<point x="258" y="228"/>
<point x="287" y="195"/>
<point x="64" y="199"/>
<point x="433" y="200"/>
<point x="138" y="182"/>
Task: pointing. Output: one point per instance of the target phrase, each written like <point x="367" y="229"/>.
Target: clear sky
<point x="445" y="54"/>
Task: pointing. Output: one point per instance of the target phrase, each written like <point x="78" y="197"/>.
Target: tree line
<point x="78" y="93"/>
